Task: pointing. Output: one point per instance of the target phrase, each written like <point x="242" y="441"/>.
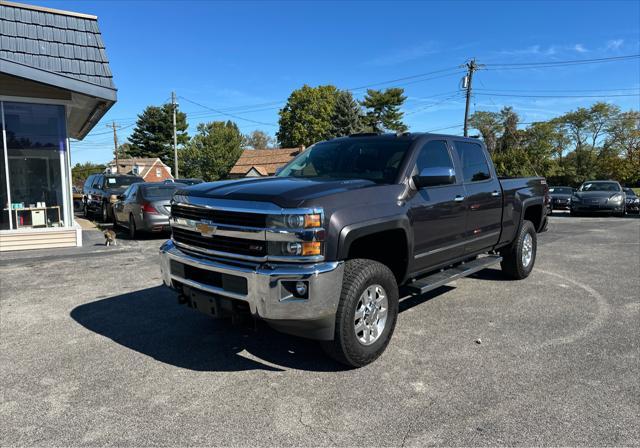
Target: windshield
<point x="560" y="190"/>
<point x="377" y="160"/>
<point x="122" y="181"/>
<point x="629" y="192"/>
<point x="600" y="186"/>
<point x="158" y="192"/>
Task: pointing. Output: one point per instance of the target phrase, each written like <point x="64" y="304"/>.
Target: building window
<point x="34" y="166"/>
<point x="158" y="172"/>
<point x="136" y="170"/>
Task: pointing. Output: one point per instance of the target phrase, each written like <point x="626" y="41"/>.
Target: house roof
<point x="58" y="48"/>
<point x="145" y="163"/>
<point x="264" y="161"/>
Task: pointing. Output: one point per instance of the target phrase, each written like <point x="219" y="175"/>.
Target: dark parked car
<point x="599" y="196"/>
<point x="321" y="249"/>
<point x="145" y="207"/>
<point x="191" y="181"/>
<point x="632" y="201"/>
<point x="560" y="198"/>
<point x="100" y="191"/>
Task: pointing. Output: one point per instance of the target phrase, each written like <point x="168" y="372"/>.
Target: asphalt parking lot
<point x="95" y="352"/>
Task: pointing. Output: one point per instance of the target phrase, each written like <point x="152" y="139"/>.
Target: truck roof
<point x="404" y="135"/>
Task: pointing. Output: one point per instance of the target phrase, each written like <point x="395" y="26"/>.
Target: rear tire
<point x="133" y="233"/>
<point x="105" y="212"/>
<point x="367" y="313"/>
<point x="519" y="257"/>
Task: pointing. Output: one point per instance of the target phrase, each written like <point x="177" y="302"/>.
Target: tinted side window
<point x="474" y="164"/>
<point x="434" y="154"/>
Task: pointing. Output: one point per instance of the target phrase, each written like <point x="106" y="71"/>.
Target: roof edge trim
<point x="49" y="10"/>
<point x="57" y="80"/>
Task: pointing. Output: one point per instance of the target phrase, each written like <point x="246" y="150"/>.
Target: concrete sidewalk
<point x="92" y="244"/>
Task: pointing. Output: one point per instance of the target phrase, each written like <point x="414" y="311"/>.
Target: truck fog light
<point x="292" y="289"/>
<point x="301" y="288"/>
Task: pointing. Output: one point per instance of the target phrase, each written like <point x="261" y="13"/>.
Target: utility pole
<point x="114" y="126"/>
<point x="471" y="67"/>
<point x="175" y="135"/>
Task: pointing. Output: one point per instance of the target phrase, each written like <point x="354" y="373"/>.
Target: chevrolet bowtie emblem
<point x="205" y="228"/>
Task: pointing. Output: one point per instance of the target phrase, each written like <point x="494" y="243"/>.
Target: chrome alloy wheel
<point x="371" y="314"/>
<point x="527" y="250"/>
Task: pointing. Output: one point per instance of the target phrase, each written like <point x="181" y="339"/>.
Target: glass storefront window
<point x="36" y="154"/>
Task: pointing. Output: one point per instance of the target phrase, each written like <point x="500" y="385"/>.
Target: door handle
<point x="458" y="198"/>
<point x="495" y="193"/>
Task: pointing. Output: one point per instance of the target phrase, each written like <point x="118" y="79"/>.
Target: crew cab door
<point x="483" y="196"/>
<point x="437" y="213"/>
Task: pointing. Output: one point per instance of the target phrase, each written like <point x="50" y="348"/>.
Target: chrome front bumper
<point x="265" y="295"/>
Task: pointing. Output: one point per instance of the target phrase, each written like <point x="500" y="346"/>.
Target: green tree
<point x="258" y="140"/>
<point x="621" y="149"/>
<point x="347" y="115"/>
<point x="383" y="110"/>
<point x="212" y="152"/>
<point x="509" y="139"/>
<point x="306" y="118"/>
<point x="81" y="171"/>
<point x="489" y="125"/>
<point x="153" y="134"/>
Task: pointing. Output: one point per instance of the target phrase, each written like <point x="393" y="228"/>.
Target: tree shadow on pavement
<point x="151" y="322"/>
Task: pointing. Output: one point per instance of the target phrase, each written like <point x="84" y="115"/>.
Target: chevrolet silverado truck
<point x="325" y="248"/>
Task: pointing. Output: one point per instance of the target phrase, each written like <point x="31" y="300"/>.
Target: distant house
<point x="262" y="162"/>
<point x="150" y="169"/>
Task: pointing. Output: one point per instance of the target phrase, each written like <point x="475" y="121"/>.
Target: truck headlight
<point x="297" y="221"/>
<point x="295" y="249"/>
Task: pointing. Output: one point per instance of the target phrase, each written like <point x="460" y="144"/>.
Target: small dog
<point x="110" y="238"/>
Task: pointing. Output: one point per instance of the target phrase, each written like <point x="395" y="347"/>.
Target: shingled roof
<point x="264" y="161"/>
<point x="57" y="42"/>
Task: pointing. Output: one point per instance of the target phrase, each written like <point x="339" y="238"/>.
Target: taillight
<point x="148" y="208"/>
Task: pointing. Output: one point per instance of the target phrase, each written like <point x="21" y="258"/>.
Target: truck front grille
<point x="219" y="216"/>
<point x="254" y="248"/>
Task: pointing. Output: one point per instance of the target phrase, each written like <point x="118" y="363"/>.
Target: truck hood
<point x="286" y="192"/>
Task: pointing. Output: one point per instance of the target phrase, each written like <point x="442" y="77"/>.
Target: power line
<point x="559" y="96"/>
<point x="557" y="90"/>
<point x="569" y="62"/>
<point x="537" y="65"/>
<point x="226" y="113"/>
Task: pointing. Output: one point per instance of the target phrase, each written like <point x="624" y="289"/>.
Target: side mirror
<point x="279" y="170"/>
<point x="431" y="177"/>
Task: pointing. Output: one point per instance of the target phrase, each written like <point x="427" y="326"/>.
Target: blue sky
<point x="245" y="57"/>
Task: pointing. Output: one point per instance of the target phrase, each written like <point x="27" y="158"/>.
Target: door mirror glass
<point x="431" y="177"/>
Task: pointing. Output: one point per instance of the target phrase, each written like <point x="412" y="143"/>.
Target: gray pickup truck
<point x="325" y="248"/>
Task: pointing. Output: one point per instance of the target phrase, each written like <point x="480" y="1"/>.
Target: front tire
<point x="519" y="257"/>
<point x="367" y="313"/>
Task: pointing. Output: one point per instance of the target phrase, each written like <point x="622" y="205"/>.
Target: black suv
<point x="100" y="191"/>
